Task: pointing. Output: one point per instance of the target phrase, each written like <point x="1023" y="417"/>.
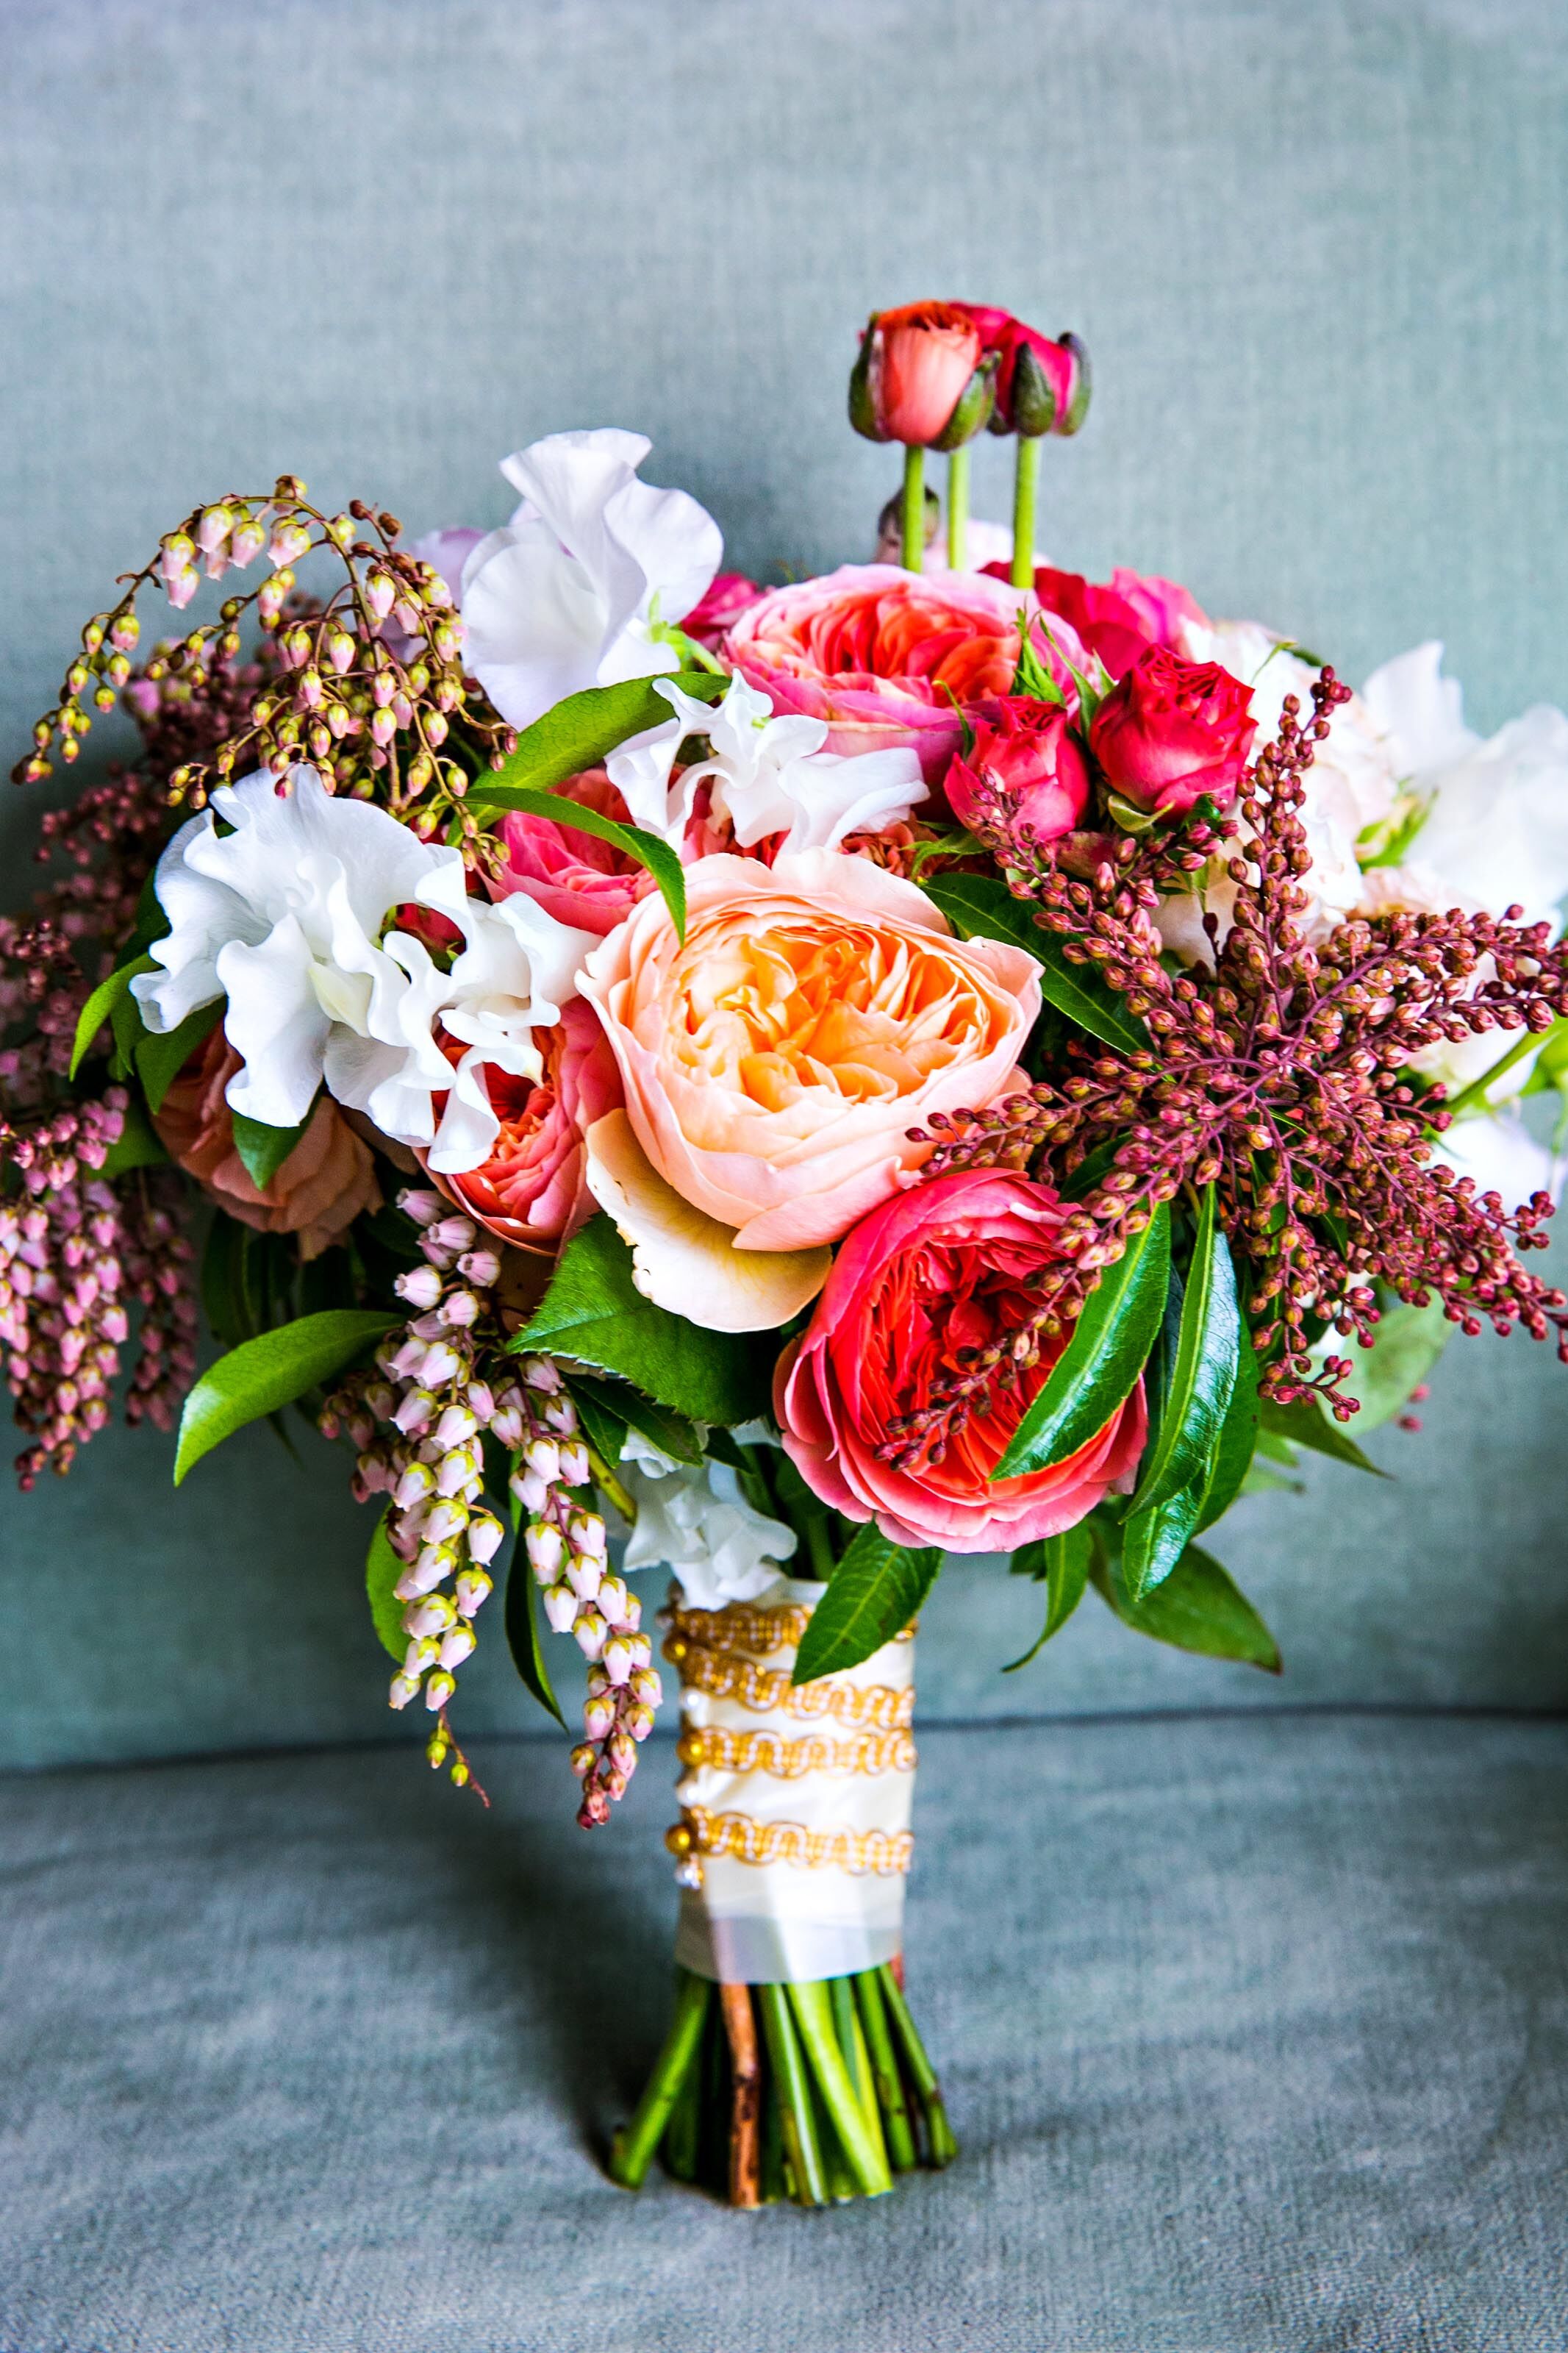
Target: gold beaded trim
<point x="724" y="1674"/>
<point x="739" y="1627"/>
<point x="787" y="1761"/>
<point x="885" y="1854"/>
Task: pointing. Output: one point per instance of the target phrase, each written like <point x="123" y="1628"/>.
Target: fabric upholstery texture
<point x="1255" y="2036"/>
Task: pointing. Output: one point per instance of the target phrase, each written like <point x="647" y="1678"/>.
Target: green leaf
<point x="137" y="1146"/>
<point x="1064" y="1565"/>
<point x="632" y="840"/>
<point x="594" y="1314"/>
<point x="101" y="1003"/>
<point x="604" y="1429"/>
<point x="1196" y="1607"/>
<point x="578" y="732"/>
<point x="1238" y="1440"/>
<point x="1154" y="1539"/>
<point x="1202" y="1374"/>
<point x="1408" y="1343"/>
<point x="979" y="906"/>
<point x="623" y="1408"/>
<point x="1100" y="1364"/>
<point x="162" y="1054"/>
<point x="264" y="1149"/>
<point x="381" y="1570"/>
<point x="1306" y="1424"/>
<point x="271" y="1371"/>
<point x="1031" y="677"/>
<point x="871" y="1596"/>
<point x="522" y="1631"/>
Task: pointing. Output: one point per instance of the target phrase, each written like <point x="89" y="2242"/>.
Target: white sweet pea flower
<point x="696" y="1521"/>
<point x="566" y="594"/>
<point x="767" y="776"/>
<point x="281" y="913"/>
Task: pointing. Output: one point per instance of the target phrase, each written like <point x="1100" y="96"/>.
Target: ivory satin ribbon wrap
<point x="794" y="1837"/>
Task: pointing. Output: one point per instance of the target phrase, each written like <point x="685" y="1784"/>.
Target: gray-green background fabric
<point x="1316" y="253"/>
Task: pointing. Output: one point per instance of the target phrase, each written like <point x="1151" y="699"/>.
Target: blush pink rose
<point x="318" y="1191"/>
<point x="531" y="1191"/>
<point x="948" y="1265"/>
<point x="575" y="877"/>
<point x="887" y="657"/>
<point x="818" y="1010"/>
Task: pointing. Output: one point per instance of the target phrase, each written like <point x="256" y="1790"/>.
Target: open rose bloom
<point x="776" y="1084"/>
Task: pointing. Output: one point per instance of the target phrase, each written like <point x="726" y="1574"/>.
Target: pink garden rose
<point x="575" y="877"/>
<point x="818" y="1010"/>
<point x="944" y="1266"/>
<point x="1172" y="731"/>
<point x="887" y="657"/>
<point x="530" y="1192"/>
<point x="1028" y="751"/>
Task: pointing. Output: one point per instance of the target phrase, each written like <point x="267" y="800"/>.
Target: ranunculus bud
<point x="1042" y="386"/>
<point x="1171" y="730"/>
<point x="915" y="367"/>
<point x="1025" y="749"/>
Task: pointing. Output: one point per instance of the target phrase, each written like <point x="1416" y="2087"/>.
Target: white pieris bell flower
<point x="281" y="911"/>
<point x="767" y="776"/>
<point x="695" y="1521"/>
<point x="566" y="594"/>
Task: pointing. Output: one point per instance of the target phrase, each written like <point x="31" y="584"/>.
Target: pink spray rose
<point x="573" y="876"/>
<point x="817" y="1010"/>
<point x="1172" y="731"/>
<point x="720" y="606"/>
<point x="887" y="657"/>
<point x="945" y="1266"/>
<point x="530" y="1192"/>
<point x="1116" y="620"/>
<point x="1027" y="750"/>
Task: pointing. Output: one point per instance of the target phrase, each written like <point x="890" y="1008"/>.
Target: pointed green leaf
<point x="162" y="1054"/>
<point x="1307" y="1424"/>
<point x="381" y="1570"/>
<point x="1154" y="1539"/>
<point x="1238" y="1440"/>
<point x="1063" y="1568"/>
<point x="979" y="906"/>
<point x="594" y="1314"/>
<point x="269" y="1371"/>
<point x="522" y="1631"/>
<point x="580" y="731"/>
<point x="632" y="840"/>
<point x="623" y="1408"/>
<point x="137" y="1145"/>
<point x="1100" y="1364"/>
<point x="264" y="1149"/>
<point x="871" y="1596"/>
<point x="100" y="1005"/>
<point x="1196" y="1607"/>
<point x="1202" y="1373"/>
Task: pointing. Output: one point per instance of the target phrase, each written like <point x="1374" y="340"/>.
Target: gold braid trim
<point x="739" y="1627"/>
<point x="886" y="1854"/>
<point x="725" y="1674"/>
<point x="787" y="1761"/>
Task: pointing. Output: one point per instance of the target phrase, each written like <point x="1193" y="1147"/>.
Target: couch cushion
<point x="1253" y="2033"/>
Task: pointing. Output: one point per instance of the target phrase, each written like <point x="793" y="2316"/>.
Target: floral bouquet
<point x="780" y="1084"/>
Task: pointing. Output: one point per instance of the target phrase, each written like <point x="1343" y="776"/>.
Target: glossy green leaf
<point x="1154" y="1539"/>
<point x="1306" y="1424"/>
<point x="594" y="1314"/>
<point x="1408" y="1344"/>
<point x="1238" y="1440"/>
<point x="632" y="840"/>
<point x="263" y="1149"/>
<point x="381" y="1570"/>
<point x="580" y="731"/>
<point x="871" y="1596"/>
<point x="271" y="1371"/>
<point x="620" y="1405"/>
<point x="1202" y="1373"/>
<point x="137" y="1145"/>
<point x="100" y="1005"/>
<point x="1195" y="1607"/>
<point x="979" y="906"/>
<point x="1100" y="1364"/>
<point x="1063" y="1567"/>
<point x="522" y="1631"/>
<point x="162" y="1054"/>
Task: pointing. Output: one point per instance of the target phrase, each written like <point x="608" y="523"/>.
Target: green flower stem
<point x="958" y="510"/>
<point x="884" y="2069"/>
<point x="860" y="2068"/>
<point x="812" y="2012"/>
<point x="914" y="508"/>
<point x="793" y="2096"/>
<point x="944" y="2147"/>
<point x="631" y="2152"/>
<point x="1025" y="493"/>
<point x="819" y="1545"/>
<point x="1478" y="1089"/>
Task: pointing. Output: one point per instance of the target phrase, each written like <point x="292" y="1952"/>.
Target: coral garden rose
<point x="887" y="657"/>
<point x="575" y="876"/>
<point x="818" y="1010"/>
<point x="531" y="1191"/>
<point x="1027" y="750"/>
<point x="946" y="1266"/>
<point x="1171" y="730"/>
<point x="318" y="1191"/>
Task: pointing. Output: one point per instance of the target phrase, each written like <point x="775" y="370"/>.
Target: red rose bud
<point x="915" y="367"/>
<point x="1172" y="731"/>
<point x="1027" y="750"/>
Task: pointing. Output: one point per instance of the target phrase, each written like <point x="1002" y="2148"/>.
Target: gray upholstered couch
<point x="1250" y="1998"/>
